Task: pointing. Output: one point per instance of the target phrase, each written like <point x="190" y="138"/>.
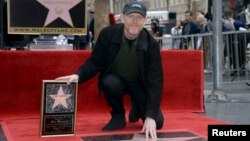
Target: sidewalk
<point x="236" y="90"/>
<point x="235" y="111"/>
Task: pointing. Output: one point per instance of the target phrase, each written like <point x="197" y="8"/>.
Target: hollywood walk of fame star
<point x="162" y="136"/>
<point x="140" y="137"/>
<point x="60" y="98"/>
<point x="59" y="9"/>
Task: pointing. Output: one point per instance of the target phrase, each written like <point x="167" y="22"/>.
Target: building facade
<point x="177" y="6"/>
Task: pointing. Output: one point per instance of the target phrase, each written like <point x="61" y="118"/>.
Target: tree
<point x="102" y="10"/>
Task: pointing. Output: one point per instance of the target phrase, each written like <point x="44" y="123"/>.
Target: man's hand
<point x="69" y="78"/>
<point x="149" y="127"/>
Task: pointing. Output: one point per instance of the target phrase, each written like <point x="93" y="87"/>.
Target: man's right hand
<point x="69" y="78"/>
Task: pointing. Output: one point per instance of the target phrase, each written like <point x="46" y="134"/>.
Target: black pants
<point x="114" y="88"/>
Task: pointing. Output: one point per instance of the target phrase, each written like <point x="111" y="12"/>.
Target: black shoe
<point x="234" y="73"/>
<point x="133" y="115"/>
<point x="115" y="123"/>
<point x="248" y="83"/>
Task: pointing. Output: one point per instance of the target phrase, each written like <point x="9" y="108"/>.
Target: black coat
<point x="148" y="56"/>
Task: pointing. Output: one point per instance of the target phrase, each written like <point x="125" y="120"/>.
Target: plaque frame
<point x="58" y="108"/>
<point x="34" y="23"/>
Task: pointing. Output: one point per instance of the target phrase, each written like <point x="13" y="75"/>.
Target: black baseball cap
<point x="135" y="7"/>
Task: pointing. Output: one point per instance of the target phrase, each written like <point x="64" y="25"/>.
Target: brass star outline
<point x="60" y="98"/>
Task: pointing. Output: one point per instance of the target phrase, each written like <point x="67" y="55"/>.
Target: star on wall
<point x="140" y="137"/>
<point x="60" y="98"/>
<point x="59" y="9"/>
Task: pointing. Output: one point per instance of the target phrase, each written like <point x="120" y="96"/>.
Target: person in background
<point x="247" y="15"/>
<point x="159" y="28"/>
<point x="154" y="30"/>
<point x="189" y="28"/>
<point x="91" y="30"/>
<point x="244" y="18"/>
<point x="128" y="61"/>
<point x="201" y="22"/>
<point x="176" y="31"/>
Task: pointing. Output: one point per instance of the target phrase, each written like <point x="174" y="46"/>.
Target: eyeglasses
<point x="135" y="18"/>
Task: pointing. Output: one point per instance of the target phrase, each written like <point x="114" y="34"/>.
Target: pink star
<point x="59" y="9"/>
<point x="60" y="98"/>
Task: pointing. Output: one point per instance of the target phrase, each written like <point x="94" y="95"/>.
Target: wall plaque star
<point x="59" y="9"/>
<point x="60" y="98"/>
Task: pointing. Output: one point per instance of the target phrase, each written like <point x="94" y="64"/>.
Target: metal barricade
<point x="235" y="55"/>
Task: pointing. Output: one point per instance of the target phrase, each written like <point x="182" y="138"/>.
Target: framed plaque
<point x="58" y="108"/>
<point x="66" y="17"/>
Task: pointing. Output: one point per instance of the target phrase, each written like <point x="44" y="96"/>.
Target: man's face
<point x="188" y="16"/>
<point x="133" y="24"/>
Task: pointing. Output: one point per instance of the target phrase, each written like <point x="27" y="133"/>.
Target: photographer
<point x="176" y="31"/>
<point x="156" y="30"/>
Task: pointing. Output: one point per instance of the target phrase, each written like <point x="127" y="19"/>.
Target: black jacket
<point x="149" y="60"/>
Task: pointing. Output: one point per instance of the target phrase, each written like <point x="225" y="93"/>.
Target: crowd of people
<point x="199" y="22"/>
<point x="234" y="19"/>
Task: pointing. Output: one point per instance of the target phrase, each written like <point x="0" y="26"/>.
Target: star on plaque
<point x="60" y="98"/>
<point x="59" y="9"/>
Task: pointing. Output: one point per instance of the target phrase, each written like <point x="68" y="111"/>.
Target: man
<point x="159" y="28"/>
<point x="189" y="28"/>
<point x="129" y="61"/>
<point x="156" y="30"/>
